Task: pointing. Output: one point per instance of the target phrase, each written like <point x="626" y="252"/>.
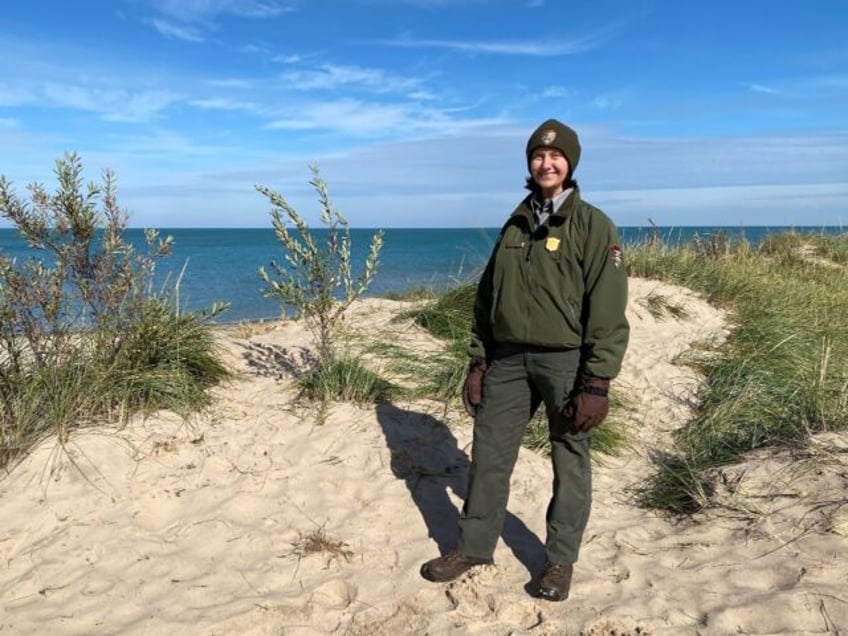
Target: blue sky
<point x="417" y="111"/>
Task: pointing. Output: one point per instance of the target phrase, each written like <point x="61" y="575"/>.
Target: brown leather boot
<point x="450" y="566"/>
<point x="556" y="581"/>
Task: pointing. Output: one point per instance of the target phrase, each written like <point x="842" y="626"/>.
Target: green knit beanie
<point x="555" y="134"/>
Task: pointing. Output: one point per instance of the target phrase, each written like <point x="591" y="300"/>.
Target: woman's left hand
<point x="589" y="405"/>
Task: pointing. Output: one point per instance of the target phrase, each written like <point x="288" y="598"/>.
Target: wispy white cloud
<point x="803" y="88"/>
<point x="204" y="11"/>
<point x="286" y="59"/>
<point x="425" y="4"/>
<point x="422" y="95"/>
<point x="227" y="103"/>
<point x="555" y="91"/>
<point x="364" y="119"/>
<point x="164" y="145"/>
<point x="349" y="116"/>
<point x="607" y="102"/>
<point x="191" y="20"/>
<point x="252" y="49"/>
<point x="762" y="88"/>
<point x="15" y="96"/>
<point x="177" y="32"/>
<point x="232" y="82"/>
<point x="111" y="104"/>
<point x="140" y="106"/>
<point x="330" y="77"/>
<point x="51" y="75"/>
<point x="548" y="47"/>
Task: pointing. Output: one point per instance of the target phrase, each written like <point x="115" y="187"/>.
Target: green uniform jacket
<point x="562" y="285"/>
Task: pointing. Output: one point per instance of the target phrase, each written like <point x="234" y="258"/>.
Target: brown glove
<point x="472" y="390"/>
<point x="589" y="404"/>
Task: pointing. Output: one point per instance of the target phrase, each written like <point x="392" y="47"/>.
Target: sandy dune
<point x="208" y="527"/>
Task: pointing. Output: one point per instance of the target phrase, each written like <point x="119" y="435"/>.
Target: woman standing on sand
<point x="548" y="327"/>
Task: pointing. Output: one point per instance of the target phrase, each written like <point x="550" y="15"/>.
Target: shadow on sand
<point x="425" y="454"/>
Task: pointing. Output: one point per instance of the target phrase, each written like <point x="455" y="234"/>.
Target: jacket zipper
<point x="529" y="291"/>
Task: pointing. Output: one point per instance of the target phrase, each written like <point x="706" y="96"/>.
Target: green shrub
<point x="310" y="283"/>
<point x="82" y="337"/>
<point x="312" y="276"/>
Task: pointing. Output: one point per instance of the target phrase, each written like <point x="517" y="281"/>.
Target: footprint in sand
<point x="607" y="627"/>
<point x="336" y="594"/>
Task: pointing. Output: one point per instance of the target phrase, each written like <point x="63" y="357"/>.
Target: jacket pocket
<point x="574" y="308"/>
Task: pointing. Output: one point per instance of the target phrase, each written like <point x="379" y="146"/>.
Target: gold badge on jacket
<point x="552" y="244"/>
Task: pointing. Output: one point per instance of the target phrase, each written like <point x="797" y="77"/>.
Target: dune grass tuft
<point x="345" y="379"/>
<point x="449" y="316"/>
<point x="783" y="372"/>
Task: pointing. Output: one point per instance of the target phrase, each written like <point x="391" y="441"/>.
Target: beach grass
<point x="83" y="339"/>
<point x="609" y="438"/>
<point x="346" y="379"/>
<point x="410" y="294"/>
<point x="449" y="315"/>
<point x="167" y="361"/>
<point x="659" y="306"/>
<point x="781" y="375"/>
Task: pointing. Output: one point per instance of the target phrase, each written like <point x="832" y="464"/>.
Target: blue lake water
<point x="222" y="264"/>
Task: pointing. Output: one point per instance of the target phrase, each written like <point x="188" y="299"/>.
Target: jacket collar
<point x="566" y="204"/>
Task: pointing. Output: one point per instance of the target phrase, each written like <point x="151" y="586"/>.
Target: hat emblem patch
<point x="548" y="136"/>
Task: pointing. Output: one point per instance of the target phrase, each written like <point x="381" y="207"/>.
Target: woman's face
<point x="549" y="168"/>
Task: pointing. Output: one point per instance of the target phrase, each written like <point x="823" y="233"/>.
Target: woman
<point x="548" y="327"/>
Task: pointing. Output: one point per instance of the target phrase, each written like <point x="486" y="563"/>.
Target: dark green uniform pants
<point x="513" y="388"/>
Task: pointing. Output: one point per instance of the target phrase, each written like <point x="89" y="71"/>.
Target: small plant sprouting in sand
<point x="317" y="282"/>
<point x="313" y="274"/>
<point x="317" y="542"/>
<point x="659" y="305"/>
